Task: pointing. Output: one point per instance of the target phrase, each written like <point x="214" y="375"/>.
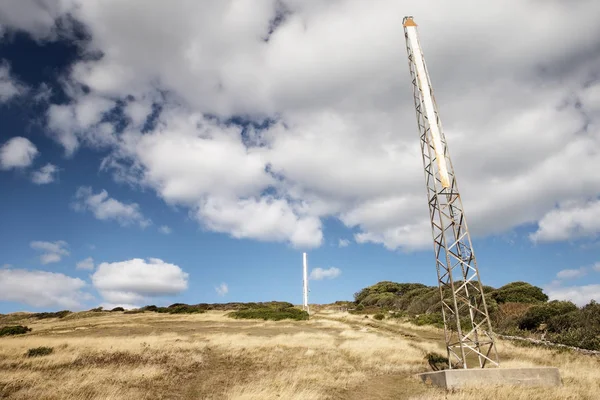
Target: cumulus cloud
<point x="9" y="87"/>
<point x="134" y="280"/>
<point x="343" y="243"/>
<point x="17" y="152"/>
<point x="572" y="220"/>
<point x="268" y="219"/>
<point x="580" y="295"/>
<point x="222" y="289"/>
<point x="46" y="174"/>
<point x="165" y="230"/>
<point x="107" y="208"/>
<point x="87" y="263"/>
<point x="333" y="132"/>
<point x="53" y="251"/>
<point x="571" y="273"/>
<point x="318" y="274"/>
<point x="42" y="289"/>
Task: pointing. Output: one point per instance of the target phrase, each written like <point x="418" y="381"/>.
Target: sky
<point x="162" y="152"/>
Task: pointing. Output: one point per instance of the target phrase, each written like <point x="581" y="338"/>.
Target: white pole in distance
<point x="305" y="285"/>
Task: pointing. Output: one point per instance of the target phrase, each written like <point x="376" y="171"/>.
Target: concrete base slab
<point x="459" y="378"/>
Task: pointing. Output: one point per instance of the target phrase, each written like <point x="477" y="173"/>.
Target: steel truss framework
<point x="467" y="326"/>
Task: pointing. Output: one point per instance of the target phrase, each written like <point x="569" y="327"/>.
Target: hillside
<point x="207" y="355"/>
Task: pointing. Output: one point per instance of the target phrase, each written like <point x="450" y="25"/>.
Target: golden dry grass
<point x="209" y="356"/>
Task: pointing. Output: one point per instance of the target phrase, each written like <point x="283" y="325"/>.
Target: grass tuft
<point x="39" y="351"/>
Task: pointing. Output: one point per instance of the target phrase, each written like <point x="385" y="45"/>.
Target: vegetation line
<point x="547" y="343"/>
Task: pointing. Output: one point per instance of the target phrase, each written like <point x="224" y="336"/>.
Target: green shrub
<point x="270" y="314"/>
<point x="39" y="351"/>
<point x="97" y="309"/>
<point x="14" y="330"/>
<point x="180" y="308"/>
<point x="519" y="292"/>
<point x="379" y="316"/>
<point x="435" y="319"/>
<point x="385" y="293"/>
<point x="579" y="327"/>
<point x="45" y="315"/>
<point x="540" y="314"/>
<point x="577" y="337"/>
<point x="150" y="308"/>
<point x="117" y="309"/>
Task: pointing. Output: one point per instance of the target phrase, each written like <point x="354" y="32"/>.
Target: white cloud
<point x="106" y="208"/>
<point x="53" y="251"/>
<point x="9" y="87"/>
<point x="580" y="295"/>
<point x="343" y="243"/>
<point x="165" y="229"/>
<point x="41" y="288"/>
<point x="596" y="267"/>
<point x="266" y="219"/>
<point x="87" y="263"/>
<point x="571" y="273"/>
<point x="521" y="111"/>
<point x="46" y="174"/>
<point x="81" y="121"/>
<point x="49" y="258"/>
<point x="134" y="280"/>
<point x="17" y="152"/>
<point x="37" y="17"/>
<point x="222" y="289"/>
<point x="318" y="274"/>
<point x="570" y="221"/>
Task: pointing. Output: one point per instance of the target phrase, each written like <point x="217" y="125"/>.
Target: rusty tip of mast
<point x="408" y="21"/>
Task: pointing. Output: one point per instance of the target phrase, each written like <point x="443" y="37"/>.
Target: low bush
<point x="180" y="309"/>
<point x="39" y="351"/>
<point x="14" y="330"/>
<point x="45" y="315"/>
<point x="272" y="314"/>
<point x="117" y="309"/>
<point x="97" y="309"/>
<point x="519" y="292"/>
<point x="434" y="319"/>
<point x="379" y="316"/>
<point x="537" y="315"/>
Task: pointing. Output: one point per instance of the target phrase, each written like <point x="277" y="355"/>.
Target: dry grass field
<point x="210" y="356"/>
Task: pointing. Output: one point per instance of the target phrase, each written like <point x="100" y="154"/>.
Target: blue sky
<point x="147" y="151"/>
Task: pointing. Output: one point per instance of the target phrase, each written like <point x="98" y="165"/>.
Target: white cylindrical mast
<point x="424" y="84"/>
<point x="305" y="285"/>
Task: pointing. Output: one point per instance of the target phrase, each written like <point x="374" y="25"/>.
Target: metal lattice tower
<point x="467" y="326"/>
